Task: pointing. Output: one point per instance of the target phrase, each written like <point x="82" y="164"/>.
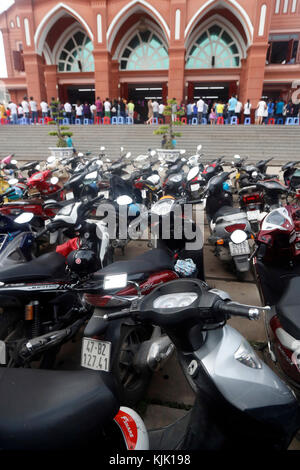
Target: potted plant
<point x="61" y="149"/>
<point x="167" y="131"/>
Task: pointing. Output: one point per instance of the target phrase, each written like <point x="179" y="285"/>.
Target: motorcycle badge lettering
<point x="129" y="429"/>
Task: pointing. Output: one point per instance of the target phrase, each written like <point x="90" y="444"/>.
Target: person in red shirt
<point x="99" y="107"/>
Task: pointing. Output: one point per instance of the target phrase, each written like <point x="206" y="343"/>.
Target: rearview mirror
<point x="14" y="162"/>
<point x="54" y="180"/>
<point x="51" y="159"/>
<point x="128" y="155"/>
<point x="24" y="218"/>
<point x="91" y="176"/>
<point x="237" y="157"/>
<point x="124" y="200"/>
<point x="13" y="181"/>
<point x="102" y="148"/>
<point x="199" y="148"/>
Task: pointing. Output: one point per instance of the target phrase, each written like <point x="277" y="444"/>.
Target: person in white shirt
<point x="45" y="108"/>
<point x="34" y="111"/>
<point x="161" y="109"/>
<point x="20" y="111"/>
<point x="107" y="107"/>
<point x="238" y="110"/>
<point x="247" y="108"/>
<point x="93" y="109"/>
<point x="25" y="106"/>
<point x="14" y="112"/>
<point x="200" y="108"/>
<point x="79" y="111"/>
<point x="155" y="107"/>
<point x="68" y="110"/>
<point x="261" y="107"/>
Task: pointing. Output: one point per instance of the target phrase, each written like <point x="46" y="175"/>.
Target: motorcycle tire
<point x="132" y="383"/>
<point x="8" y="321"/>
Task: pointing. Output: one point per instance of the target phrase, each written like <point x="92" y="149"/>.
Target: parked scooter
<point x="39" y="297"/>
<point x="230" y="228"/>
<point x="277" y="268"/>
<point x="238" y="398"/>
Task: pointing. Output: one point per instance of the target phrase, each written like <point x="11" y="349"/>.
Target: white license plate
<point x="47" y="222"/>
<point x="95" y="354"/>
<point x="239" y="248"/>
<point x="70" y="195"/>
<point x="253" y="215"/>
<point x="195" y="187"/>
<point x="144" y="193"/>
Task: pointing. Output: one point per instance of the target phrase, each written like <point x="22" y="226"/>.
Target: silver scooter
<point x="229" y="226"/>
<point x="239" y="401"/>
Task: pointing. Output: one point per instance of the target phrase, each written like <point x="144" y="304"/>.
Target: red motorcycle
<point x="277" y="268"/>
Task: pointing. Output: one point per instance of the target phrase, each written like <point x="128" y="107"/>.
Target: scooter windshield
<point x="277" y="219"/>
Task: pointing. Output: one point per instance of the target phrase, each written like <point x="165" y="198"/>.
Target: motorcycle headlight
<point x="163" y="206"/>
<point x="254" y="174"/>
<point x="175" y="178"/>
<point x="246" y="356"/>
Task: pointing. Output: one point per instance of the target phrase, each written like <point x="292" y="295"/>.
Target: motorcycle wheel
<point x="132" y="383"/>
<point x="8" y="321"/>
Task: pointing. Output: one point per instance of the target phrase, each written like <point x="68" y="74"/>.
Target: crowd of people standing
<point x="146" y="111"/>
<point x="264" y="110"/>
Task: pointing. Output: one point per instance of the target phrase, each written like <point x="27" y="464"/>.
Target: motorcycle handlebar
<point x="226" y="308"/>
<point x="239" y="310"/>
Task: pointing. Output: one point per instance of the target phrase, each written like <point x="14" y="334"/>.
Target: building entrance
<point x="211" y="91"/>
<point x="80" y="93"/>
<point x="140" y="94"/>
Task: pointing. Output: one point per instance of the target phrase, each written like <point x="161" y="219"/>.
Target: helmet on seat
<point x="83" y="262"/>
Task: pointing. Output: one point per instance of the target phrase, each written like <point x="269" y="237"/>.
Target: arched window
<point x="214" y="48"/>
<point x="145" y="51"/>
<point x="77" y="54"/>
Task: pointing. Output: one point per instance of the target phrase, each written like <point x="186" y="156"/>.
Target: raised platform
<point x="280" y="142"/>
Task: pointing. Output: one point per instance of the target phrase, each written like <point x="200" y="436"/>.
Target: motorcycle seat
<point x="44" y="267"/>
<point x="226" y="211"/>
<point x="150" y="261"/>
<point x="288" y="308"/>
<point x="46" y="409"/>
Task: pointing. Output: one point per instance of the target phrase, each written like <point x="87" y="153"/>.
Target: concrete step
<point x="279" y="142"/>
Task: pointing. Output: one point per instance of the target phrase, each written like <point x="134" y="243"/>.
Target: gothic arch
<point x="50" y="19"/>
<point x="129" y="9"/>
<point x="231" y="5"/>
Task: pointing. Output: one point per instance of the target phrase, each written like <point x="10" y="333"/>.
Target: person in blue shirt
<point x="231" y="107"/>
<point x="279" y="108"/>
<point x="271" y="107"/>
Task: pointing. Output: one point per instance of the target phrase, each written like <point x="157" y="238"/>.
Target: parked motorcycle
<point x="39" y="297"/>
<point x="80" y="409"/>
<point x="229" y="227"/>
<point x="277" y="268"/>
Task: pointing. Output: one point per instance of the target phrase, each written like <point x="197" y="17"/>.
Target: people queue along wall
<point x="144" y="112"/>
